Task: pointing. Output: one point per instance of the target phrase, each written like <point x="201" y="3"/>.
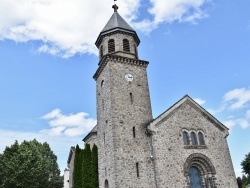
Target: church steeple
<point x="123" y="107"/>
<point x="118" y="37"/>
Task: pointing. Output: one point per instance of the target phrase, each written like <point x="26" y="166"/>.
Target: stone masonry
<point x="70" y="163"/>
<point x="171" y="156"/>
<point x="183" y="147"/>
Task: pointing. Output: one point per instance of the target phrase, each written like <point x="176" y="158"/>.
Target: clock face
<point x="129" y="77"/>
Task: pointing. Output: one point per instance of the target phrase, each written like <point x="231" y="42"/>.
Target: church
<point x="184" y="147"/>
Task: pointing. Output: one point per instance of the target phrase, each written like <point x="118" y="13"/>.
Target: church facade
<point x="184" y="147"/>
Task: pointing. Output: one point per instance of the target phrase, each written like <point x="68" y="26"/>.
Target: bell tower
<point x="123" y="108"/>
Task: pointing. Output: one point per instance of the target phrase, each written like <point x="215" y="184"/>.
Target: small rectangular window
<point x="134" y="132"/>
<point x="137" y="169"/>
<point x="104" y="138"/>
<point x="102" y="104"/>
<point x="131" y="98"/>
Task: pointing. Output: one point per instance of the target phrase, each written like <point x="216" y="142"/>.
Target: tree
<point x="245" y="181"/>
<point x="246" y="164"/>
<point x="29" y="165"/>
<point x="239" y="182"/>
<point x="246" y="169"/>
<point x="94" y="167"/>
<point x="77" y="173"/>
<point x="86" y="167"/>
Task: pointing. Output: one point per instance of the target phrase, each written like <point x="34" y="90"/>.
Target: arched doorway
<point x="106" y="184"/>
<point x="199" y="172"/>
<point x="194" y="177"/>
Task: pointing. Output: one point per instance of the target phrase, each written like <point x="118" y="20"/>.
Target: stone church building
<point x="184" y="147"/>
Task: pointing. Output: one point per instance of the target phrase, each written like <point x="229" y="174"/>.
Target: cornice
<point x="118" y="59"/>
<point x="114" y="31"/>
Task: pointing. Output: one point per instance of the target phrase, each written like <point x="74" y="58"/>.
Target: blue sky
<point x="47" y="60"/>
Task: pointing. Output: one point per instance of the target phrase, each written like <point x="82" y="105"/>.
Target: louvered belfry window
<point x="126" y="45"/>
<point x="111" y="45"/>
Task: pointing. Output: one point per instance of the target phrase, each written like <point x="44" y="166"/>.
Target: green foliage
<point x="85" y="173"/>
<point x="29" y="165"/>
<point x="77" y="173"/>
<point x="86" y="167"/>
<point x="245" y="181"/>
<point x="246" y="169"/>
<point x="94" y="167"/>
<point x="246" y="164"/>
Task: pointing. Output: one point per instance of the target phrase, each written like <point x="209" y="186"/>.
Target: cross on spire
<point x="115" y="7"/>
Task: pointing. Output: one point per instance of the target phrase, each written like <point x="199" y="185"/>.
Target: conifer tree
<point x="77" y="173"/>
<point x="86" y="167"/>
<point x="94" y="167"/>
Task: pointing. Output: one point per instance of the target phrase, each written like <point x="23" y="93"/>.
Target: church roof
<point x="72" y="150"/>
<point x="92" y="132"/>
<point x="116" y="24"/>
<point x="189" y="100"/>
<point x="116" y="21"/>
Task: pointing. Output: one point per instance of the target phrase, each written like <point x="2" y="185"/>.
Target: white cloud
<point x="236" y="101"/>
<point x="60" y="145"/>
<point x="145" y="26"/>
<point x="177" y="10"/>
<point x="238" y="172"/>
<point x="66" y="28"/>
<point x="65" y="131"/>
<point x="173" y="10"/>
<point x="248" y="114"/>
<point x="68" y="125"/>
<point x="237" y="98"/>
<point x="219" y="110"/>
<point x="240" y="122"/>
<point x="230" y="123"/>
<point x="199" y="101"/>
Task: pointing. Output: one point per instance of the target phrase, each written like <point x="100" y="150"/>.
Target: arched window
<point x="201" y="138"/>
<point x="101" y="51"/>
<point x="126" y="45"/>
<point x="111" y="45"/>
<point x="198" y="167"/>
<point x="194" y="177"/>
<point x="193" y="138"/>
<point x="185" y="138"/>
<point x="106" y="184"/>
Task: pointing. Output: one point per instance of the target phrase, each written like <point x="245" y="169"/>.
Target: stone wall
<point x="119" y="150"/>
<point x="118" y="37"/>
<point x="71" y="166"/>
<point x="171" y="154"/>
<point x="66" y="178"/>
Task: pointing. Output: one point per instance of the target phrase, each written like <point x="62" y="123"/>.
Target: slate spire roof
<point x="116" y="23"/>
